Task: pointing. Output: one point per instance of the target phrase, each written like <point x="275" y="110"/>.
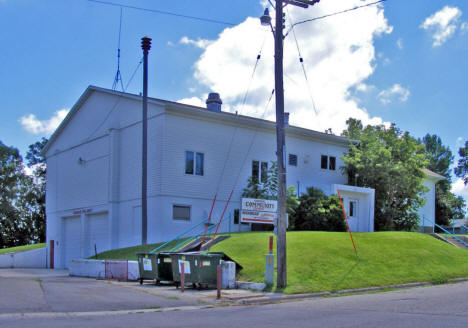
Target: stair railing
<point x="446" y="232"/>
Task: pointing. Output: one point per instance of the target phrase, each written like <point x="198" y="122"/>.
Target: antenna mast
<point x="118" y="76"/>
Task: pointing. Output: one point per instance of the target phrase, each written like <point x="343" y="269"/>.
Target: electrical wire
<point x="162" y="12"/>
<point x="118" y="75"/>
<point x="333" y="14"/>
<point x="301" y="60"/>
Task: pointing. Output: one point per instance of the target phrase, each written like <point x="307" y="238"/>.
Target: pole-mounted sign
<point x="262" y="211"/>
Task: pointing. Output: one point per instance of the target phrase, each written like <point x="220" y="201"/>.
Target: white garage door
<point x="71" y="239"/>
<point x="98" y="232"/>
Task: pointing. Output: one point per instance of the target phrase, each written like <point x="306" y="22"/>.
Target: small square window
<point x="332" y="164"/>
<point x="181" y="212"/>
<point x="292" y="160"/>
<point x="324" y="162"/>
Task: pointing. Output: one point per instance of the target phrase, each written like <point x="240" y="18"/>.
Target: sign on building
<point x="259" y="211"/>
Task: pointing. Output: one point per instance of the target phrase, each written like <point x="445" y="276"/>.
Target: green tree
<point x="317" y="211"/>
<point x="462" y="168"/>
<point x="389" y="161"/>
<point x="440" y="158"/>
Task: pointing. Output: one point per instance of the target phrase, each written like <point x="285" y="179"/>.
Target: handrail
<point x="447" y="232"/>
<point x="178" y="236"/>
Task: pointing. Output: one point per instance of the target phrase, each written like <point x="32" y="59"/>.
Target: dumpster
<point x="157" y="267"/>
<point x="200" y="268"/>
<point x="147" y="266"/>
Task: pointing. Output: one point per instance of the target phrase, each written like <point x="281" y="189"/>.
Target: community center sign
<point x="259" y="211"/>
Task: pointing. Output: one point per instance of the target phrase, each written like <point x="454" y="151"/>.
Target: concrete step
<point x="451" y="240"/>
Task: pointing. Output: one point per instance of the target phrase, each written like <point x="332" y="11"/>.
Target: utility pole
<point x="281" y="277"/>
<point x="146" y="46"/>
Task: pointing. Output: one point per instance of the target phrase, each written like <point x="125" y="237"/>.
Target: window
<point x="324" y="162"/>
<point x="292" y="160"/>
<point x="181" y="212"/>
<point x="332" y="163"/>
<point x="328" y="162"/>
<point x="194" y="163"/>
<point x="352" y="208"/>
<point x="259" y="170"/>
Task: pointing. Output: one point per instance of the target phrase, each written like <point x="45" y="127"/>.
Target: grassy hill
<point x="325" y="261"/>
<point x="21" y="248"/>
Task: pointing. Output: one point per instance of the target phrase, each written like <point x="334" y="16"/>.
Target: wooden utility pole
<point x="146" y="46"/>
<point x="281" y="277"/>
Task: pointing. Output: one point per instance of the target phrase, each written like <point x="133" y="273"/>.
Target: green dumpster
<point x="147" y="266"/>
<point x="165" y="267"/>
<point x="157" y="267"/>
<point x="200" y="268"/>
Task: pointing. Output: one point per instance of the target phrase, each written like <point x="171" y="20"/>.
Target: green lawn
<point x="325" y="261"/>
<point x="21" y="248"/>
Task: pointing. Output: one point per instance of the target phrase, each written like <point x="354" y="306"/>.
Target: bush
<point x="317" y="211"/>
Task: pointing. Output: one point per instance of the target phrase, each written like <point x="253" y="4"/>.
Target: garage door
<point x="98" y="232"/>
<point x="71" y="239"/>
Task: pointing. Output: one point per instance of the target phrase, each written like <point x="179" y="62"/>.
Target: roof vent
<point x="213" y="103"/>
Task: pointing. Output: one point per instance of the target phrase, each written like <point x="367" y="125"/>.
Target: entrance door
<point x="352" y="212"/>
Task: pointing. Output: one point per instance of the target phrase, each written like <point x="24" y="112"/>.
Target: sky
<point x="402" y="62"/>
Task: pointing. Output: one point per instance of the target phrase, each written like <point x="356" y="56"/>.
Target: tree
<point x="22" y="198"/>
<point x="317" y="211"/>
<point x="462" y="168"/>
<point x="389" y="161"/>
<point x="440" y="158"/>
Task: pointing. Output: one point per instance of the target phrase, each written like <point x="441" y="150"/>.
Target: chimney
<point x="286" y="119"/>
<point x="213" y="103"/>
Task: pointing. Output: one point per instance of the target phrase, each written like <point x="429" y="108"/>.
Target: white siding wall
<point x="428" y="209"/>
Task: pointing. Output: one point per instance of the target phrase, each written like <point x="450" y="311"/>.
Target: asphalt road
<point x="435" y="306"/>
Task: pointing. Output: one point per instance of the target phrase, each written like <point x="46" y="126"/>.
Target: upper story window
<point x="259" y="171"/>
<point x="194" y="163"/>
<point x="292" y="160"/>
<point x="328" y="162"/>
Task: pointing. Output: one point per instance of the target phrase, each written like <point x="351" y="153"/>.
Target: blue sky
<point x="403" y="61"/>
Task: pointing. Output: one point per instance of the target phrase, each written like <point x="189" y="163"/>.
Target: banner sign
<point x="258" y="211"/>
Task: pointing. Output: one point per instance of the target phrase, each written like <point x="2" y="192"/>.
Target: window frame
<point x="326" y="162"/>
<point x="195" y="162"/>
<point x="182" y="205"/>
<point x="261" y="173"/>
<point x="290" y="156"/>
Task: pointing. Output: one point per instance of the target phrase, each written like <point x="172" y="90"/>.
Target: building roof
<point x="199" y="112"/>
<point x="434" y="175"/>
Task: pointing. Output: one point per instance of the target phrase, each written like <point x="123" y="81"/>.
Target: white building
<point x="94" y="170"/>
<point x="427" y="211"/>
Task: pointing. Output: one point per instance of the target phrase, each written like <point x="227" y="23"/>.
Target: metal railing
<point x="445" y="231"/>
<point x="191" y="234"/>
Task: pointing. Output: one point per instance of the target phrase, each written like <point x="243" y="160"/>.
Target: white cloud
<point x="33" y="125"/>
<point x="395" y="92"/>
<point x="170" y="43"/>
<point x="460" y="189"/>
<point x="400" y="43"/>
<point x="200" y="43"/>
<point x="443" y="24"/>
<point x="338" y="53"/>
<point x="194" y="101"/>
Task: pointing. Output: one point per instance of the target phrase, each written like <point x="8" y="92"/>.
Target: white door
<point x="71" y="239"/>
<point x="98" y="233"/>
<point x="352" y="212"/>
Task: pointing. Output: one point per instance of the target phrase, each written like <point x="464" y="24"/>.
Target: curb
<point x="275" y="299"/>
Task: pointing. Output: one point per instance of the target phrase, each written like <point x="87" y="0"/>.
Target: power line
<point x="301" y="60"/>
<point x="162" y="12"/>
<point x="333" y="14"/>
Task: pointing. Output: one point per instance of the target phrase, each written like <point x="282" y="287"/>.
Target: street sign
<point x="259" y="211"/>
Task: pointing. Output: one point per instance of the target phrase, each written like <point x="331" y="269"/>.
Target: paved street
<point x="435" y="306"/>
